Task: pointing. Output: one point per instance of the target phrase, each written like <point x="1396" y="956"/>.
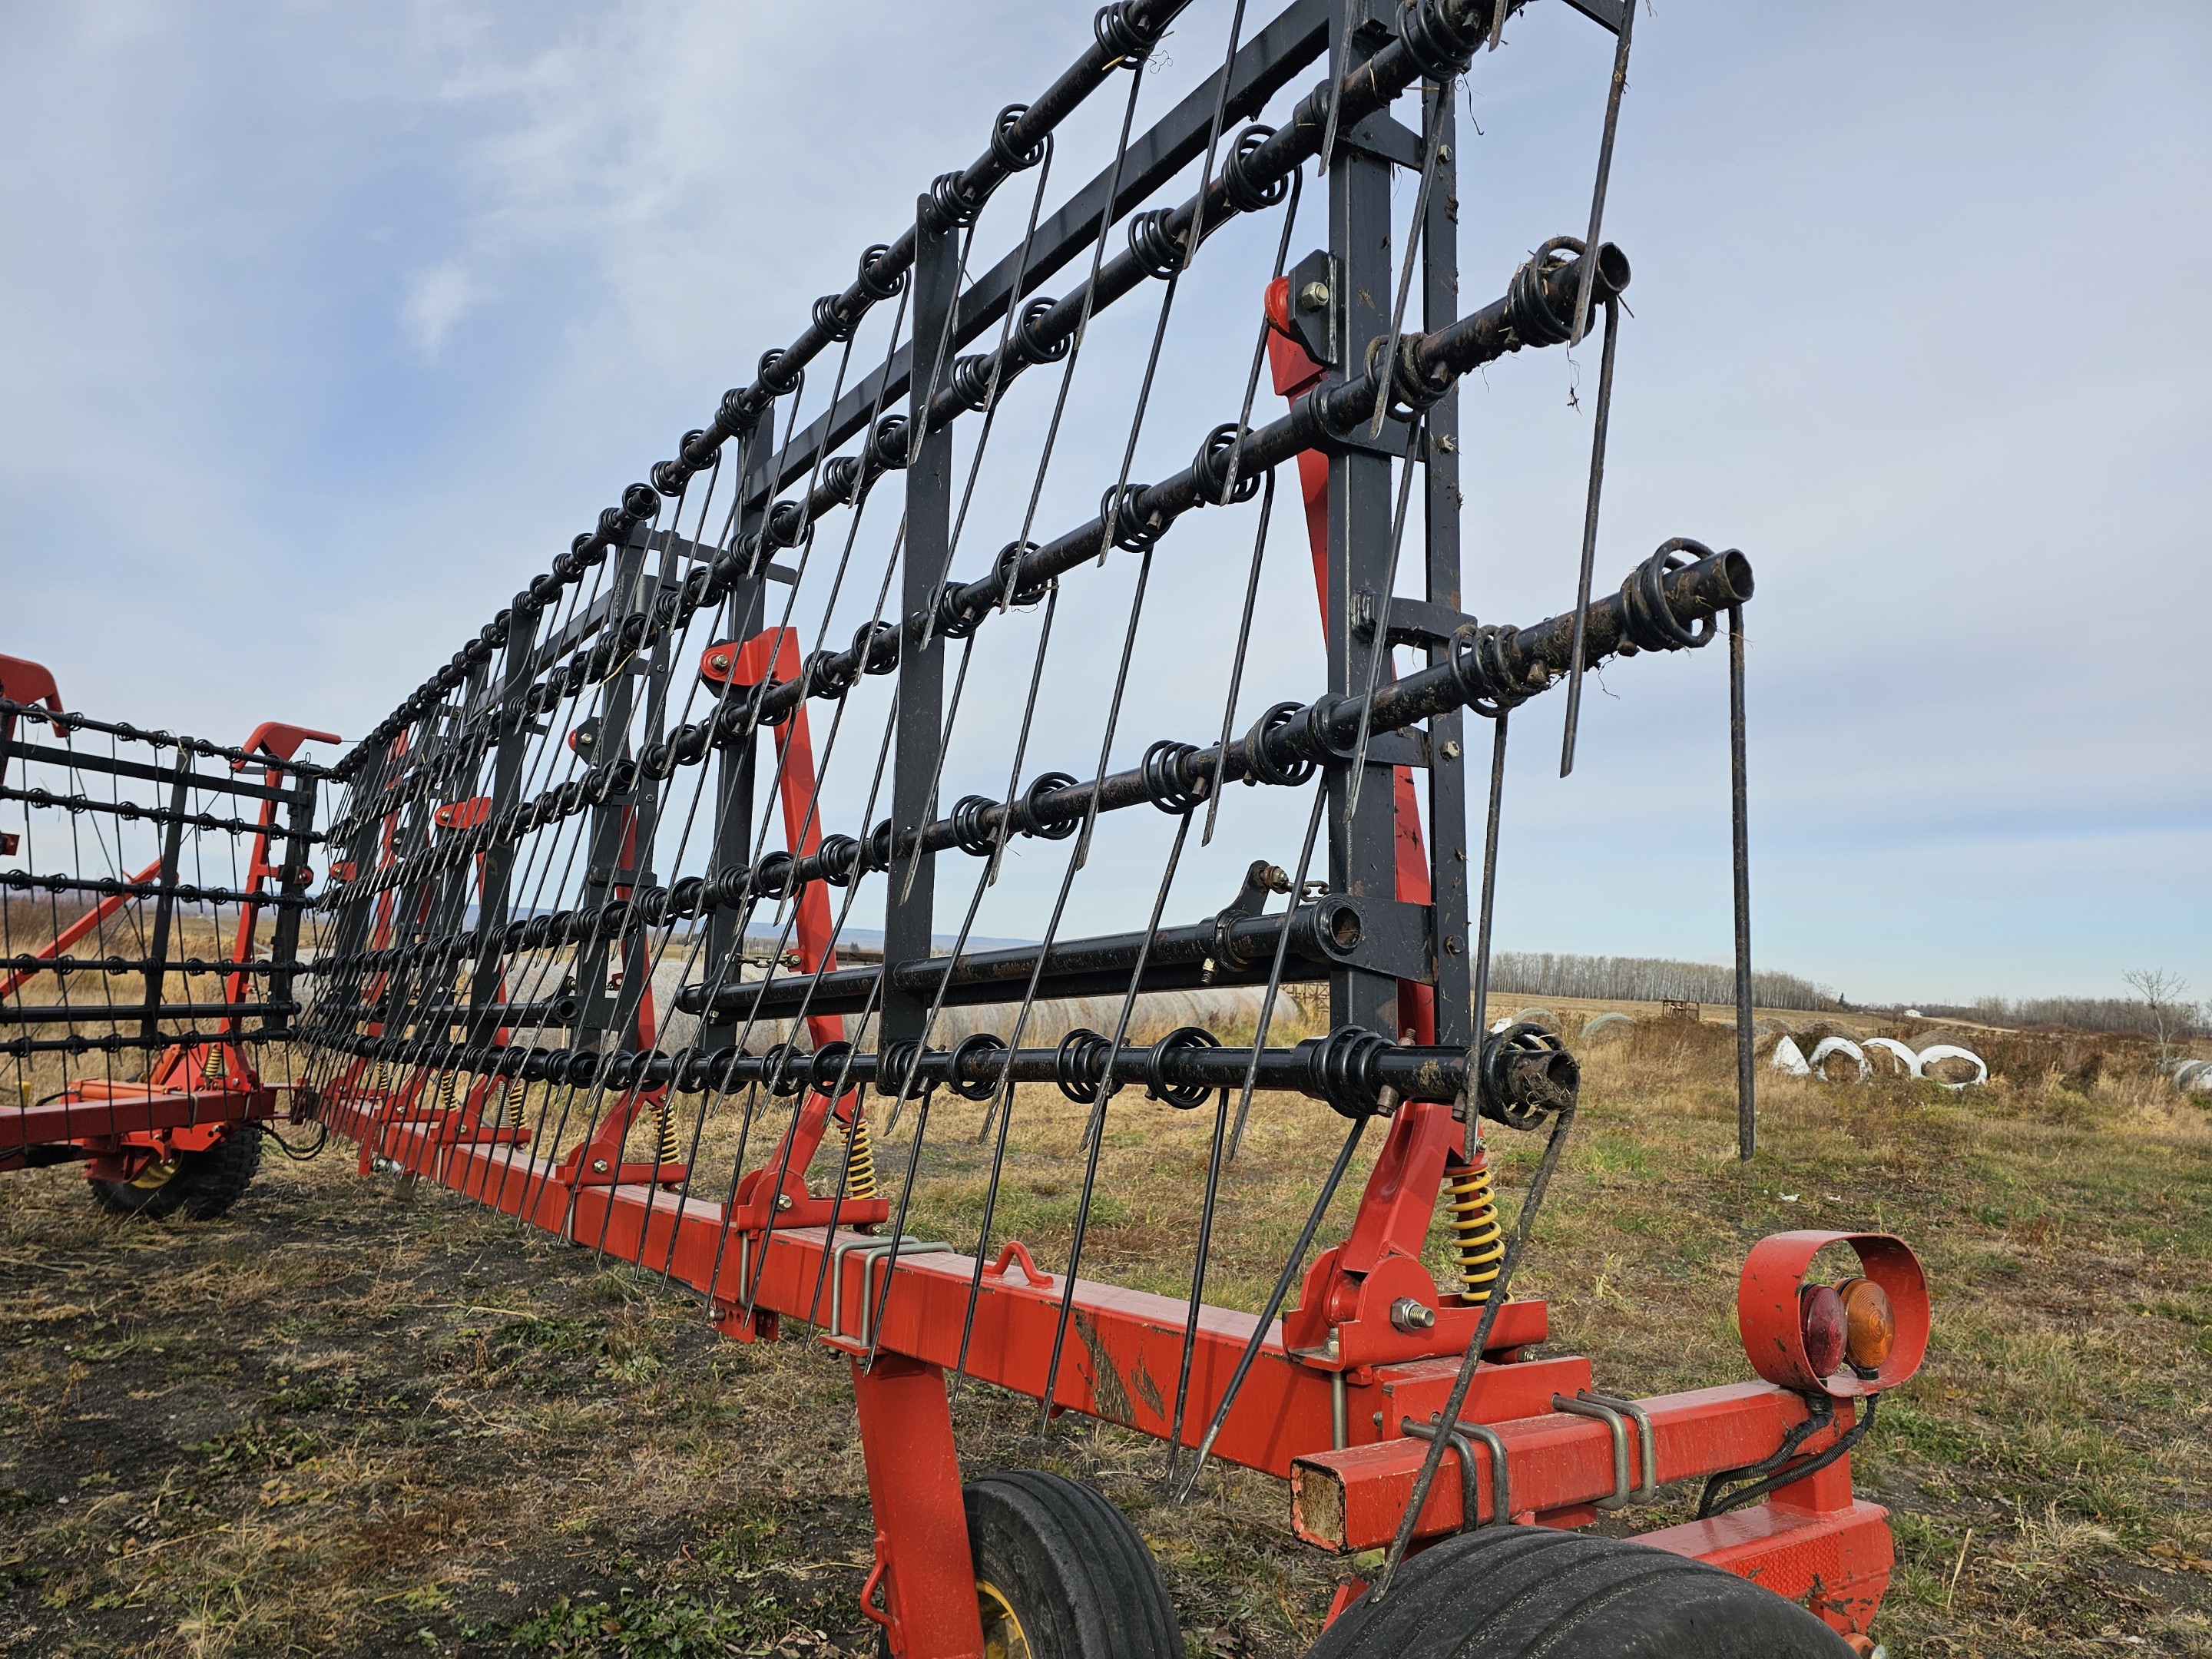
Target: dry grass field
<point x="352" y="1417"/>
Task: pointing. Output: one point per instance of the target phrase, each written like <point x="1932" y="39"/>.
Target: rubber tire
<point x="205" y="1185"/>
<point x="1535" y="1593"/>
<point x="1076" y="1573"/>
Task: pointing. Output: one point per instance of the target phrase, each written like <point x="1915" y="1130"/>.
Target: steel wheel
<point x="1003" y="1636"/>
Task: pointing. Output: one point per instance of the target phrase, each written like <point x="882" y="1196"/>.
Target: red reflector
<point x="1820" y="1312"/>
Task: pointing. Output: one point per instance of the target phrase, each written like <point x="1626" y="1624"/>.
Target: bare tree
<point x="2160" y="990"/>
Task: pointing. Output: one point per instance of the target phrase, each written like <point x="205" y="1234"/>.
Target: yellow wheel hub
<point x="155" y="1175"/>
<point x="1002" y="1627"/>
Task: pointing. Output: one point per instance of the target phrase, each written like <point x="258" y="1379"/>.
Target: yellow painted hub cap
<point x="1002" y="1629"/>
<point x="155" y="1174"/>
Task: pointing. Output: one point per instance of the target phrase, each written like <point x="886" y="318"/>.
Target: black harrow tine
<point x="883" y="761"/>
<point x="813" y="802"/>
<point x="1097" y="1127"/>
<point x="1202" y="1257"/>
<point x="1481" y="990"/>
<point x="1237" y="660"/>
<point x="1381" y="651"/>
<point x="967" y="499"/>
<point x="844" y="1164"/>
<point x="1337" y="72"/>
<point x="1619" y="85"/>
<point x="1431" y="150"/>
<point x="718" y="973"/>
<point x="1229" y="494"/>
<point x="1468" y="1361"/>
<point x="790" y="921"/>
<point x="1000" y="1107"/>
<point x="1599" y="422"/>
<point x="1259" y="1337"/>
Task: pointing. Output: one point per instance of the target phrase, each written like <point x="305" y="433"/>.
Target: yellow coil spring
<point x="448" y="1083"/>
<point x="859" y="1160"/>
<point x="211" y="1065"/>
<point x="668" y="1151"/>
<point x="516" y="1110"/>
<point x="1477" y="1239"/>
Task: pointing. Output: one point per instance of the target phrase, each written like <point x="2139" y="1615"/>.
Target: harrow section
<point x="137" y="1000"/>
<point x="560" y="965"/>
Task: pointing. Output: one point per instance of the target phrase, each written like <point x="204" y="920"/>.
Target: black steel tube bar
<point x="1321" y="935"/>
<point x="131" y="811"/>
<point x="26" y="881"/>
<point x="76" y="723"/>
<point x="143" y="771"/>
<point x="116" y="1043"/>
<point x="70" y="965"/>
<point x="1351" y="1075"/>
<point x="58" y="1013"/>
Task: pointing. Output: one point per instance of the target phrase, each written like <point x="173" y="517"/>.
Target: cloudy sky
<point x="326" y="326"/>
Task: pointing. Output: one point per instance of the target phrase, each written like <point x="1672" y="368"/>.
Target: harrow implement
<point x="557" y="967"/>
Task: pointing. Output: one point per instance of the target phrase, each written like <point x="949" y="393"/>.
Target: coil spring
<point x="516" y="1112"/>
<point x="859" y="1160"/>
<point x="1477" y="1239"/>
<point x="212" y="1067"/>
<point x="448" y="1080"/>
<point x="666" y="1149"/>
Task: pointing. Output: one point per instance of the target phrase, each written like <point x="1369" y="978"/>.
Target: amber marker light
<point x="1869" y="1323"/>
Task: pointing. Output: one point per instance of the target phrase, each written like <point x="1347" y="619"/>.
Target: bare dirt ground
<point x="352" y="1418"/>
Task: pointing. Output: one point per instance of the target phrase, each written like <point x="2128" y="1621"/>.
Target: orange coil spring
<point x="1477" y="1239"/>
<point x="859" y="1160"/>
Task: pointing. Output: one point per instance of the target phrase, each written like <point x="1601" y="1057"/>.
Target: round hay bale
<point x="1952" y="1051"/>
<point x="1828" y="1046"/>
<point x="1907" y="1060"/>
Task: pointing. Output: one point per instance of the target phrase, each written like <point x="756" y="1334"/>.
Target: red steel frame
<point x="1325" y="1405"/>
<point x="195" y="1093"/>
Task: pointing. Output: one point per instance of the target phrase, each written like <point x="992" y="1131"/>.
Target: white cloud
<point x="436" y="299"/>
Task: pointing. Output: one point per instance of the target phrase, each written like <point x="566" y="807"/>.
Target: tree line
<point x="1646" y="979"/>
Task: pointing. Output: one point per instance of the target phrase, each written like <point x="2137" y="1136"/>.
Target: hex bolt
<point x="599" y="1166"/>
<point x="1313" y="296"/>
<point x="1409" y="1316"/>
<point x="1451" y="749"/>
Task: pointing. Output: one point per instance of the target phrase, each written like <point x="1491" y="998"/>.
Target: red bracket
<point x="29" y="682"/>
<point x="279" y="742"/>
